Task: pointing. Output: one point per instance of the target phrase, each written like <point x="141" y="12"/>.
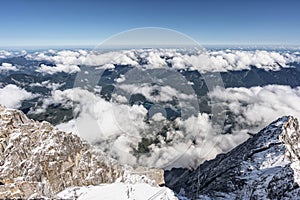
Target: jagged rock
<point x="266" y="166"/>
<point x="24" y="189"/>
<point x="38" y="159"/>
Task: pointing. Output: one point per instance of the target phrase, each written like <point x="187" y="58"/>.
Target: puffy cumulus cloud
<point x="296" y="53"/>
<point x="9" y="54"/>
<point x="118" y="129"/>
<point x="110" y="115"/>
<point x="148" y="58"/>
<point x="154" y="58"/>
<point x="12" y="96"/>
<point x="57" y="97"/>
<point x="195" y="141"/>
<point x="7" y="67"/>
<point x="121" y="79"/>
<point x="211" y="60"/>
<point x="47" y="84"/>
<point x="58" y="68"/>
<point x="256" y="107"/>
<point x="63" y="57"/>
<point x="177" y="97"/>
<point x="155" y="93"/>
<point x="5" y="54"/>
<point x="113" y="57"/>
<point x="83" y="57"/>
<point x="233" y="60"/>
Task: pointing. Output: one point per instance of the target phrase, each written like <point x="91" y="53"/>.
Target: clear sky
<point x="87" y="22"/>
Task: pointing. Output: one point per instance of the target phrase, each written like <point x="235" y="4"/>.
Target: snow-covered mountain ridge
<point x="266" y="166"/>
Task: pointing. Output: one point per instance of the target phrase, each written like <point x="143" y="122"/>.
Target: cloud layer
<point x="195" y="139"/>
<point x="210" y="60"/>
<point x="258" y="106"/>
<point x="118" y="129"/>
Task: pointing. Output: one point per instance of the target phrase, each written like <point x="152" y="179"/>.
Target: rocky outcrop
<point x="153" y="174"/>
<point x="266" y="166"/>
<point x="33" y="152"/>
<point x="39" y="160"/>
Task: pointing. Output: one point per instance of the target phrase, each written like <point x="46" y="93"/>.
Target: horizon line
<point x="89" y="46"/>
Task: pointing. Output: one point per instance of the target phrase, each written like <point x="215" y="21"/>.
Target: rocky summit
<point x="38" y="160"/>
<point x="266" y="166"/>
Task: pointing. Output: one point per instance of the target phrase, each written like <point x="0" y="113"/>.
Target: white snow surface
<point x="118" y="191"/>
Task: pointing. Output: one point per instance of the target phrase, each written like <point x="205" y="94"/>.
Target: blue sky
<point x="66" y="22"/>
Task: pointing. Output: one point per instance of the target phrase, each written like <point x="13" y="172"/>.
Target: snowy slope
<point x="118" y="191"/>
<point x="266" y="166"/>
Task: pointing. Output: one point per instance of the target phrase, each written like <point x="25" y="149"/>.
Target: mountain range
<point x="40" y="161"/>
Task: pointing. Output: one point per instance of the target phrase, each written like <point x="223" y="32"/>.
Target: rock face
<point x="38" y="155"/>
<point x="266" y="166"/>
<point x="38" y="160"/>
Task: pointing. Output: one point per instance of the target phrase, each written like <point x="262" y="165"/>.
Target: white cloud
<point x="153" y="59"/>
<point x="115" y="126"/>
<point x="9" y="54"/>
<point x="165" y="93"/>
<point x="63" y="57"/>
<point x="7" y="67"/>
<point x="81" y="57"/>
<point x="12" y="96"/>
<point x="120" y="79"/>
<point x="161" y="58"/>
<point x="118" y="129"/>
<point x="233" y="60"/>
<point x="5" y="54"/>
<point x="58" y="68"/>
<point x="47" y="84"/>
<point x="258" y="106"/>
<point x="109" y="58"/>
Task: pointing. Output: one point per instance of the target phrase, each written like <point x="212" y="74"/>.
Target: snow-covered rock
<point x="266" y="166"/>
<point x="38" y="160"/>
